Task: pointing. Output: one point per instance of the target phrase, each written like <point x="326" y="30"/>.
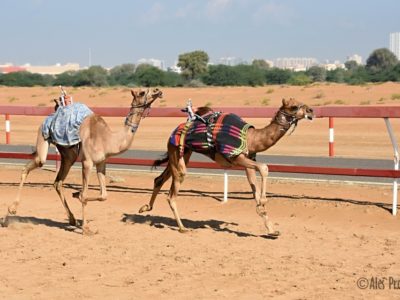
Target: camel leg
<point x="260" y="198"/>
<point x="86" y="169"/>
<point x="159" y="182"/>
<point x="40" y="155"/>
<point x="68" y="157"/>
<point x="178" y="172"/>
<point x="252" y="179"/>
<point x="101" y="176"/>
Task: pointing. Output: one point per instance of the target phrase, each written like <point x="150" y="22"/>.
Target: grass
<point x="265" y="101"/>
<point x="395" y="97"/>
<point x="270" y="91"/>
<point x="339" y="101"/>
<point x="319" y="95"/>
<point x="365" y="102"/>
<point x="12" y="99"/>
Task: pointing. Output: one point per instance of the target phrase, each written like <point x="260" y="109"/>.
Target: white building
<point x="394" y="43"/>
<point x="52" y="69"/>
<point x="230" y="61"/>
<point x="296" y="63"/>
<point x="355" y="57"/>
<point x="153" y="62"/>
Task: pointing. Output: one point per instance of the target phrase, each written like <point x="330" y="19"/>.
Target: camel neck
<point x="261" y="139"/>
<point x="133" y="120"/>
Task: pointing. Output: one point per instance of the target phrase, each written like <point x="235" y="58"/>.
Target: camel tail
<point x="160" y="161"/>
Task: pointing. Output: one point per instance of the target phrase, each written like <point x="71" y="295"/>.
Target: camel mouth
<point x="308" y="117"/>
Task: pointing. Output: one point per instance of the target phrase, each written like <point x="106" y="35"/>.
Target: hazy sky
<point x="123" y="31"/>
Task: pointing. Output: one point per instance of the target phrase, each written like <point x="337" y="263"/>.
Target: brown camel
<point x="98" y="142"/>
<point x="254" y="141"/>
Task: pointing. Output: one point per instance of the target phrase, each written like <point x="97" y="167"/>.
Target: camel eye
<point x="295" y="107"/>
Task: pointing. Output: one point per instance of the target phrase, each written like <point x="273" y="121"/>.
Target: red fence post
<point x="331" y="137"/>
<point x="8" y="129"/>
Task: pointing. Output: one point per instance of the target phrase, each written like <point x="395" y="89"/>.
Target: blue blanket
<point x="62" y="127"/>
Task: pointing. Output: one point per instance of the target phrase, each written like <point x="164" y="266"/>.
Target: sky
<point x="114" y="32"/>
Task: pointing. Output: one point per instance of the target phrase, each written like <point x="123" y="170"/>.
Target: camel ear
<point x="285" y="102"/>
<point x="133" y="94"/>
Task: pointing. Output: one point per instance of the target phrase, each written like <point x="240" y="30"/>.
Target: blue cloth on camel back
<point x="221" y="132"/>
<point x="62" y="126"/>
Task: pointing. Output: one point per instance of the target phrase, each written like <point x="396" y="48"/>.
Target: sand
<point x="337" y="238"/>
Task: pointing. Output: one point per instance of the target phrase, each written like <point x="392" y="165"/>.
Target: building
<point x="296" y="63"/>
<point x="394" y="43"/>
<point x="10" y="68"/>
<point x="230" y="61"/>
<point x="43" y="70"/>
<point x="52" y="69"/>
<point x="152" y="62"/>
<point x="355" y="57"/>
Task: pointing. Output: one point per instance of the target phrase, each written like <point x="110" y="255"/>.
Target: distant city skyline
<point x="110" y="33"/>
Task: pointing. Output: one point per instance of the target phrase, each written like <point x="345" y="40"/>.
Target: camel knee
<point x="263" y="170"/>
<point x="40" y="161"/>
<point x="181" y="176"/>
<point x="58" y="186"/>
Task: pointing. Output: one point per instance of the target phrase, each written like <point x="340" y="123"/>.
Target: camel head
<point x="295" y="110"/>
<point x="144" y="99"/>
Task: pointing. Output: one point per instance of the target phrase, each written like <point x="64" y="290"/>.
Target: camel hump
<point x="62" y="127"/>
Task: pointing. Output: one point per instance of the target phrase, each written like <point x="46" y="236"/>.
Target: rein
<point x="144" y="106"/>
<point x="287" y="120"/>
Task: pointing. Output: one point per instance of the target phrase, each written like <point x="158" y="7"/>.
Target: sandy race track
<point x="338" y="240"/>
<point x="332" y="237"/>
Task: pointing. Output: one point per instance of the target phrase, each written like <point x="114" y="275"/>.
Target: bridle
<point x="287" y="120"/>
<point x="138" y="110"/>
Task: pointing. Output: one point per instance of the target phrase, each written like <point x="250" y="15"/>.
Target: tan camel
<point x="258" y="140"/>
<point x="98" y="142"/>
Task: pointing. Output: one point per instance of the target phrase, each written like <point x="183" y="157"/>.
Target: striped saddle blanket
<point x="215" y="133"/>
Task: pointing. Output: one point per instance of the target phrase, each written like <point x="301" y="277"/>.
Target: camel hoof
<point x="73" y="222"/>
<point x="144" y="208"/>
<point x="4" y="222"/>
<point x="12" y="210"/>
<point x="273" y="235"/>
<point x="184" y="230"/>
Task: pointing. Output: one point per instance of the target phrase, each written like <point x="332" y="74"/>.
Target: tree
<point x="122" y="75"/>
<point x="249" y="75"/>
<point x="148" y="75"/>
<point x="300" y="78"/>
<point x="336" y="75"/>
<point x="381" y="60"/>
<point x="261" y="63"/>
<point x="357" y="76"/>
<point x="277" y="76"/>
<point x="193" y="64"/>
<point x="94" y="76"/>
<point x="351" y="65"/>
<point x="67" y="78"/>
<point x="24" y="78"/>
<point x="316" y="73"/>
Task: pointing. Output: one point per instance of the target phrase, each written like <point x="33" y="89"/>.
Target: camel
<point x="252" y="141"/>
<point x="98" y="142"/>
